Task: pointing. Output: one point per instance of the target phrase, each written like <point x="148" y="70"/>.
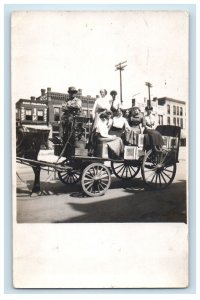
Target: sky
<point x="81" y="49"/>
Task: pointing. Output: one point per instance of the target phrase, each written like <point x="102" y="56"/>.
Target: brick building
<point x="168" y="111"/>
<point x="46" y="110"/>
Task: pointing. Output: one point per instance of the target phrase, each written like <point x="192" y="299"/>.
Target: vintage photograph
<point x="100" y="121"/>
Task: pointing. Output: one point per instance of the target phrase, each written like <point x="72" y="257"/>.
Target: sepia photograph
<point x="100" y="148"/>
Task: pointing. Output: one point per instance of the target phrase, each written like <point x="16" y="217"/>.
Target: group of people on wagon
<point x="111" y="123"/>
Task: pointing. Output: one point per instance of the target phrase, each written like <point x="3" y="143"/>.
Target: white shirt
<point x="103" y="103"/>
<point x="120" y="122"/>
<point x="102" y="128"/>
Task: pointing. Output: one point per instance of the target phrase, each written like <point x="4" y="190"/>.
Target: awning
<point x="38" y="127"/>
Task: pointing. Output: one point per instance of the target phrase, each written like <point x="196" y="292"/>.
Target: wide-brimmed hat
<point x="72" y="89"/>
<point x="113" y="92"/>
<point x="148" y="108"/>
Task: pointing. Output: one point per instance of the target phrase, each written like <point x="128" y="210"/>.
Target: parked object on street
<point x="158" y="166"/>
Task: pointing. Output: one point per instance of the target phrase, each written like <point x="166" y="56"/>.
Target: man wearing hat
<point x="70" y="109"/>
<point x="73" y="101"/>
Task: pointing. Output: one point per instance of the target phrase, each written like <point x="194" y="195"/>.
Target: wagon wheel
<point x="96" y="179"/>
<point x="69" y="176"/>
<point x="125" y="169"/>
<point x="158" y="169"/>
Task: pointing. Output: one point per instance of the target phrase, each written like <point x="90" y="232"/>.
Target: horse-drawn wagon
<point x="158" y="166"/>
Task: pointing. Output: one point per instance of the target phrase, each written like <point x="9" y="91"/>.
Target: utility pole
<point x="120" y="67"/>
<point x="149" y="85"/>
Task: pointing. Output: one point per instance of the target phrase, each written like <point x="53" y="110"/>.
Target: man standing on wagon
<point x="71" y="109"/>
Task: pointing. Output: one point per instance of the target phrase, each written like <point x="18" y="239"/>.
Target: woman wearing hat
<point x="154" y="137"/>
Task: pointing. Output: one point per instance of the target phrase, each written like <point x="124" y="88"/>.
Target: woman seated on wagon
<point x="135" y="121"/>
<point x="119" y="124"/>
<point x="152" y="138"/>
<point x="114" y="142"/>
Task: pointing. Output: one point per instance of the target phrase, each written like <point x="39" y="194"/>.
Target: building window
<point x="177" y="111"/>
<point x="28" y="114"/>
<point x="174" y="121"/>
<point x="177" y="121"/>
<point x="174" y="109"/>
<point x="181" y="121"/>
<point x="168" y="109"/>
<point x="160" y="119"/>
<point x="56" y="114"/>
<point x="168" y="120"/>
<point x="40" y="115"/>
<point x="181" y="111"/>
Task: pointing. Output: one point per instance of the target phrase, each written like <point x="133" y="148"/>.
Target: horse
<point x="28" y="145"/>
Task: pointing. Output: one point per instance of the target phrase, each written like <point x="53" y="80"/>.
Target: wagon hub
<point x="96" y="178"/>
<point x="159" y="168"/>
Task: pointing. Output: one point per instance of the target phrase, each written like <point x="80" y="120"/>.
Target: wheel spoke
<point x="160" y="179"/>
<point x="101" y="185"/>
<point x="89" y="182"/>
<point x="119" y="166"/>
<point x="89" y="185"/>
<point x="123" y="171"/>
<point x="66" y="177"/>
<point x="170" y="171"/>
<point x="122" y="167"/>
<point x="163" y="177"/>
<point x="152" y="174"/>
<point x="153" y="177"/>
<point x="130" y="169"/>
<point x="166" y="175"/>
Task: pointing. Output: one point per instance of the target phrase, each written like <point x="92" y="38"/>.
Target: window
<point x="160" y="119"/>
<point x="177" y="121"/>
<point x="181" y="121"/>
<point x="40" y="115"/>
<point x="28" y="114"/>
<point x="168" y="109"/>
<point x="174" y="109"/>
<point x="174" y="121"/>
<point x="181" y="111"/>
<point x="177" y="111"/>
<point x="56" y="114"/>
<point x="168" y="120"/>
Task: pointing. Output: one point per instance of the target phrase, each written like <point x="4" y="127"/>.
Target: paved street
<point x="123" y="202"/>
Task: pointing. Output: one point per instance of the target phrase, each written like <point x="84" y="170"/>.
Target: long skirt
<point x="115" y="146"/>
<point x="152" y="138"/>
<point x="116" y="131"/>
<point x="131" y="136"/>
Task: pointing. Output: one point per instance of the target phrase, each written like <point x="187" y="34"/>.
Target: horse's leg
<point x="36" y="184"/>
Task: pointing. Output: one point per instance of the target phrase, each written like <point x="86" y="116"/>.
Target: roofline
<point x="171" y="99"/>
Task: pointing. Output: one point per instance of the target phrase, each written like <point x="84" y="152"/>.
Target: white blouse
<point x="120" y="122"/>
<point x="101" y="104"/>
